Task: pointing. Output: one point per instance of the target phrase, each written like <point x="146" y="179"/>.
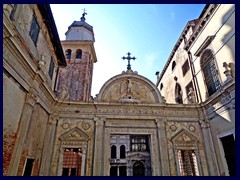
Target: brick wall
<point x="77" y="78"/>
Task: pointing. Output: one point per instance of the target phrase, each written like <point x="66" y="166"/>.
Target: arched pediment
<point x="129" y="87"/>
<point x="74" y="134"/>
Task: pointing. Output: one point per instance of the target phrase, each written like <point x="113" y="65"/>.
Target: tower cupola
<point x="80" y="30"/>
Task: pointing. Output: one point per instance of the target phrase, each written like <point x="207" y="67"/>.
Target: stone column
<point x="45" y="164"/>
<point x="198" y="162"/>
<point x="209" y="148"/>
<point x="98" y="147"/>
<point x="83" y="161"/>
<point x="60" y="162"/>
<point x="161" y="127"/>
<point x="178" y="173"/>
<point x="24" y="122"/>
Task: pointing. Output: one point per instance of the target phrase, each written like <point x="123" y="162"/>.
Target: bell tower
<point x="74" y="82"/>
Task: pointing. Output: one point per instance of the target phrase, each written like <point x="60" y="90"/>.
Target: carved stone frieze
<point x="9" y="59"/>
<point x="74" y="144"/>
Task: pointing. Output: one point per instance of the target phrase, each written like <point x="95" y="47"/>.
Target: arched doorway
<point x="138" y="169"/>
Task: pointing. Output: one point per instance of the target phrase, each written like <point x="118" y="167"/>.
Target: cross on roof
<point x="84" y="12"/>
<point x="128" y="58"/>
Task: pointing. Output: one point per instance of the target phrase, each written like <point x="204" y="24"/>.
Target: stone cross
<point x="128" y="58"/>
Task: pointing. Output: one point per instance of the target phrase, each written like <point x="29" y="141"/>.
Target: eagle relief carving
<point x="129" y="91"/>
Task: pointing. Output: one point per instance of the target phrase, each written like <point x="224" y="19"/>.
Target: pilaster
<point x="31" y="99"/>
<point x="209" y="148"/>
<point x="161" y="126"/>
<point x="45" y="164"/>
<point x="98" y="149"/>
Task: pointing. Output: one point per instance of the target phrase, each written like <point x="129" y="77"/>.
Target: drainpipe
<point x="195" y="83"/>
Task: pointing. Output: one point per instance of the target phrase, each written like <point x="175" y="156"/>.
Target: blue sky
<point x="148" y="31"/>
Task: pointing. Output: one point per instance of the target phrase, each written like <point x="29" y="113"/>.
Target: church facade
<point x="53" y="127"/>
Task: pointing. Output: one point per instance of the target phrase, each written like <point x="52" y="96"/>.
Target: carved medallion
<point x="192" y="128"/>
<point x="173" y="128"/>
<point x="85" y="126"/>
<point x="65" y="125"/>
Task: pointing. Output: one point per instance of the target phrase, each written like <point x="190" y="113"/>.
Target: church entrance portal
<point x="138" y="169"/>
<point x="130" y="155"/>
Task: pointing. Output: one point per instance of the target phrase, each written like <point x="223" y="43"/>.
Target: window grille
<point x="139" y="143"/>
<point x="51" y="68"/>
<point x="210" y="72"/>
<point x="34" y="30"/>
<point x="188" y="165"/>
<point x="72" y="161"/>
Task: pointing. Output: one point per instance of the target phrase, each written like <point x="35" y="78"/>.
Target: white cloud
<point x="150" y="59"/>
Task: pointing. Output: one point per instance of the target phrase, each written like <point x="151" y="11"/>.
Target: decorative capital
<point x="160" y="122"/>
<point x="204" y="123"/>
<point x="31" y="97"/>
<point x="53" y="118"/>
<point x="99" y="121"/>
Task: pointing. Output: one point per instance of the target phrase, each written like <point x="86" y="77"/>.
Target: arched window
<point x="209" y="72"/>
<point x="113" y="152"/>
<point x="178" y="94"/>
<point x="68" y="53"/>
<point x="173" y="65"/>
<point x="79" y="54"/>
<point x="122" y="152"/>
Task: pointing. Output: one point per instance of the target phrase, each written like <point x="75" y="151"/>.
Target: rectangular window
<point x="228" y="143"/>
<point x="51" y="68"/>
<point x="185" y="67"/>
<point x="139" y="143"/>
<point x="65" y="171"/>
<point x="34" y="30"/>
<point x="187" y="160"/>
<point x="28" y="167"/>
<point x="122" y="170"/>
<point x="113" y="171"/>
<point x="72" y="162"/>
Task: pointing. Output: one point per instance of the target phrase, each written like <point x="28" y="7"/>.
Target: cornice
<point x="200" y="26"/>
